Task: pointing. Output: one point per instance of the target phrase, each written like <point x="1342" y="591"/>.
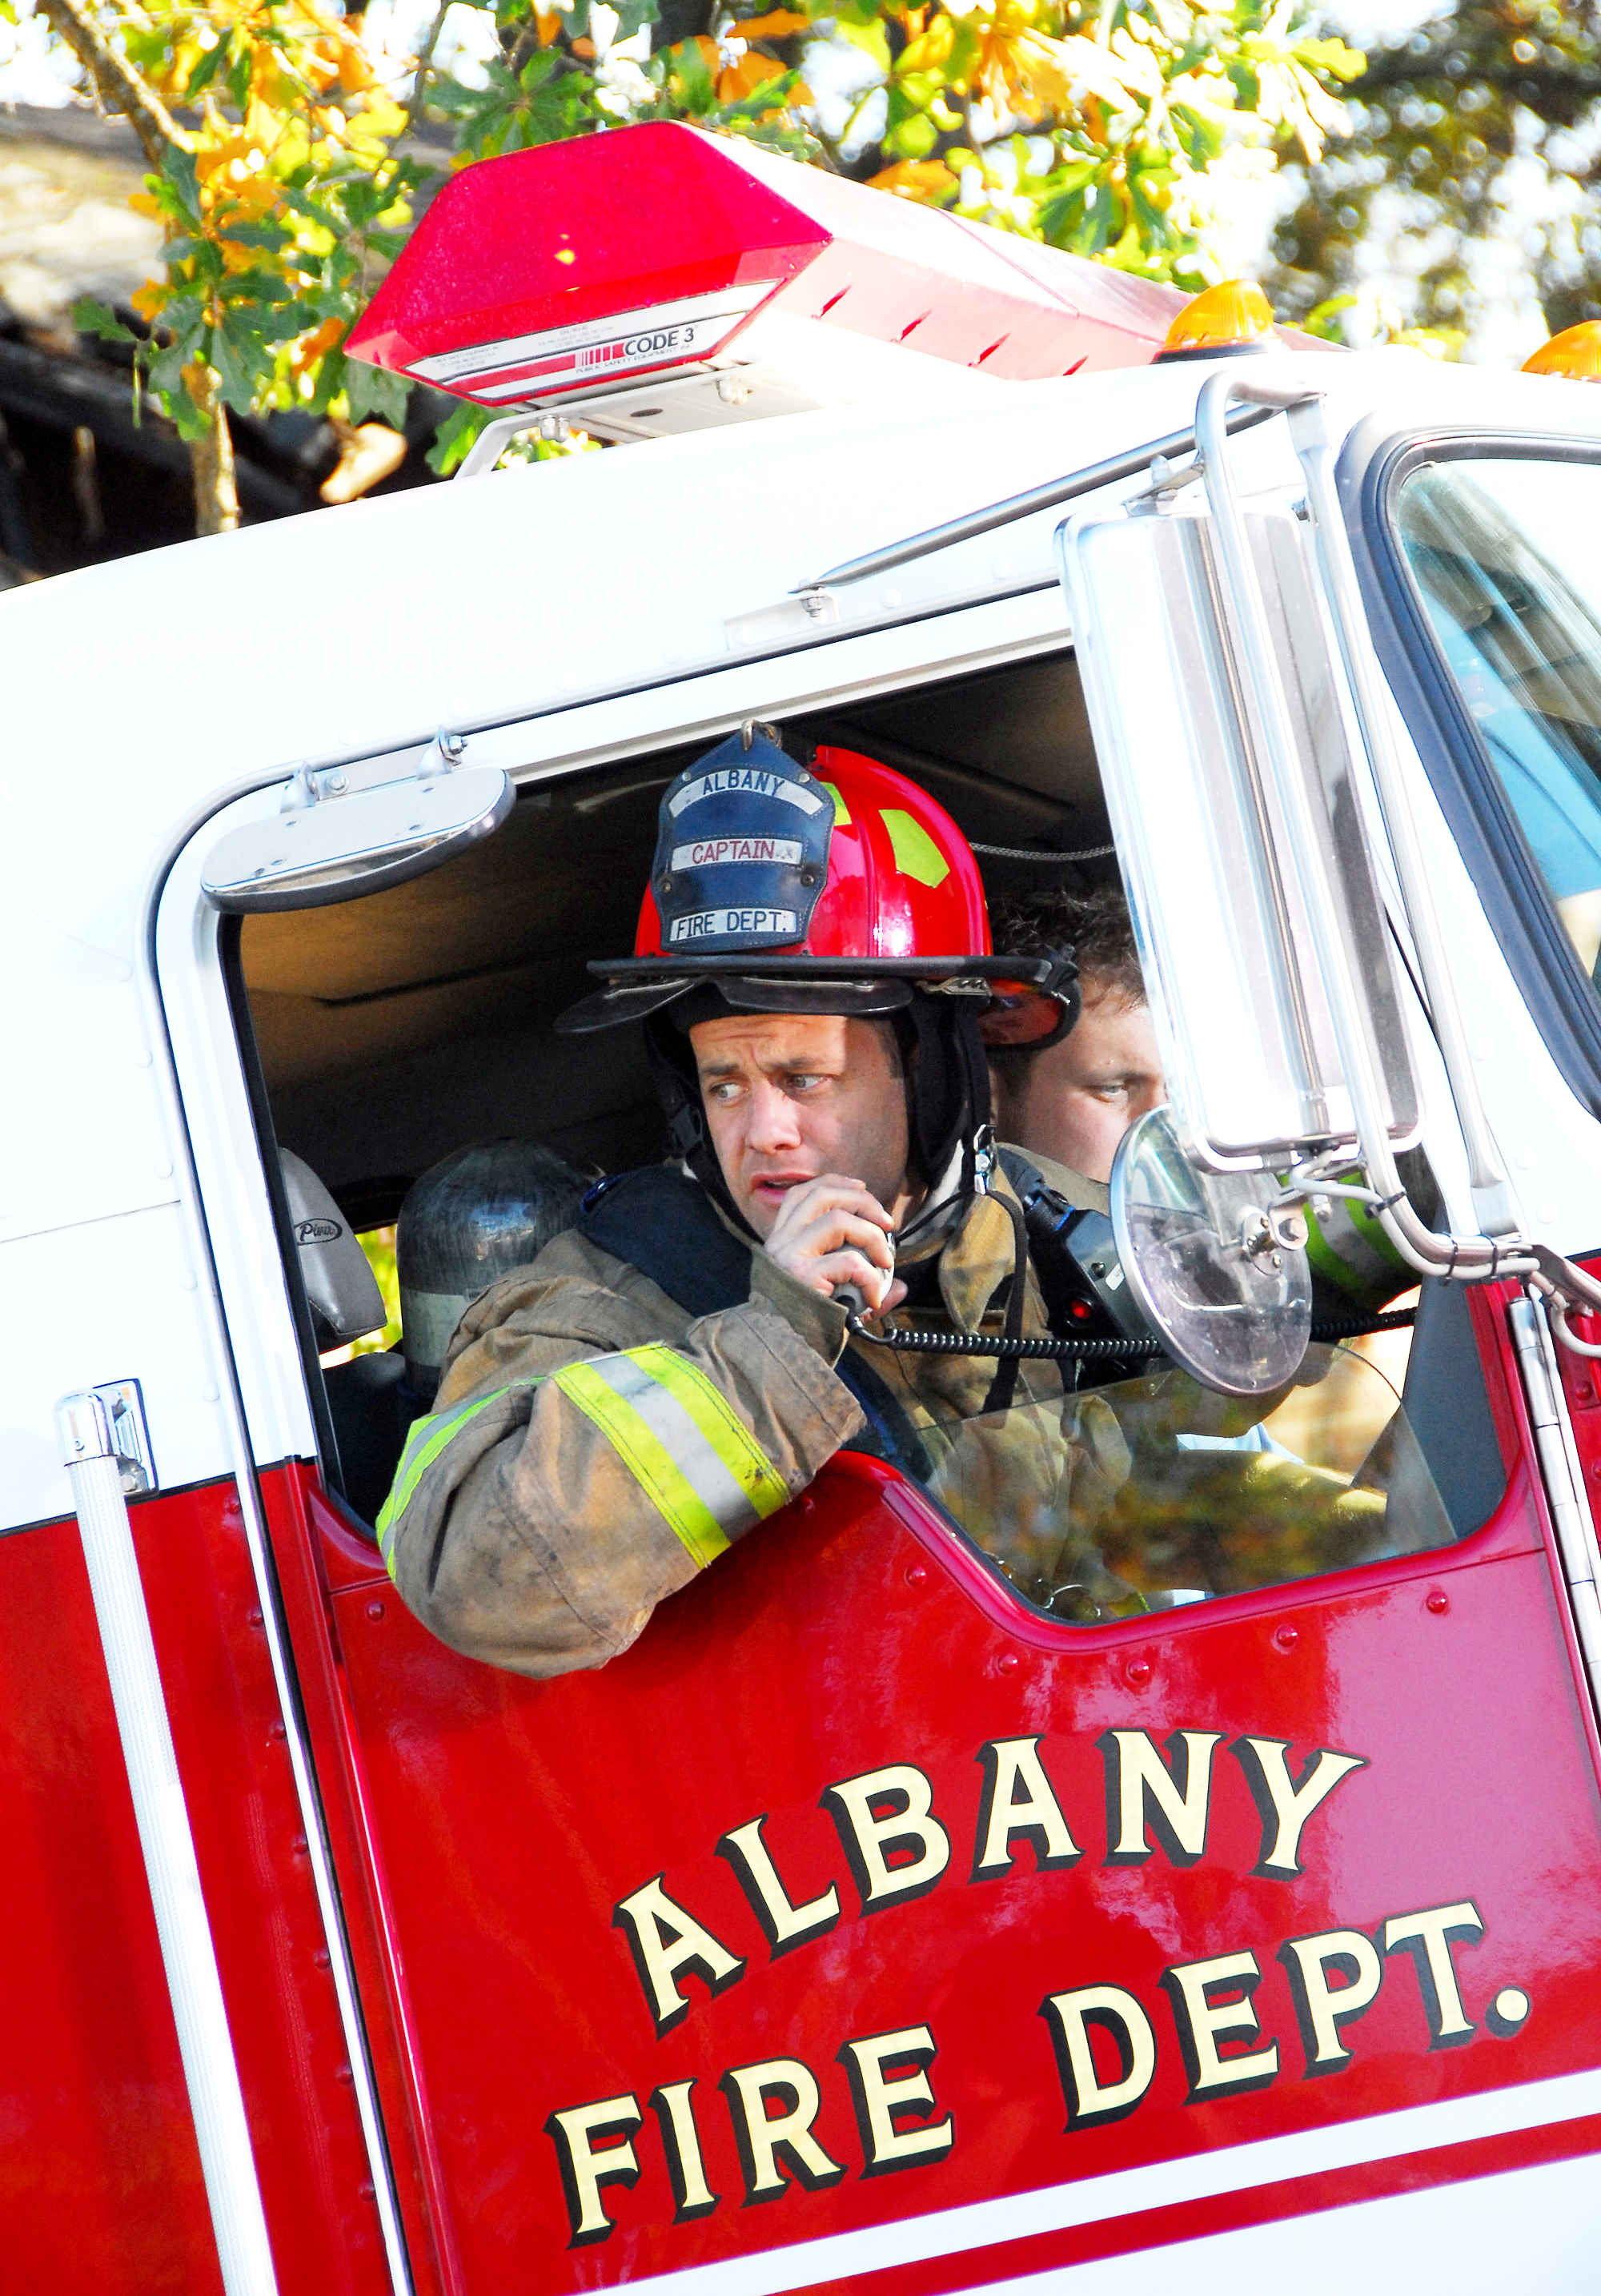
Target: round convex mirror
<point x="1230" y="1294"/>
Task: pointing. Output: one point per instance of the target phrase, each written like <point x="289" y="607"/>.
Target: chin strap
<point x="1002" y="1386"/>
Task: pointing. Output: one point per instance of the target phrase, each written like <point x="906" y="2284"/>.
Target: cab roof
<point x="144" y="684"/>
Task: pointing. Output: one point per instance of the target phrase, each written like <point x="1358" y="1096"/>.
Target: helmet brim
<point x="638" y="986"/>
<point x="623" y="1001"/>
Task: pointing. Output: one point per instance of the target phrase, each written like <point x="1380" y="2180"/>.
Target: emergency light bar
<point x="657" y="279"/>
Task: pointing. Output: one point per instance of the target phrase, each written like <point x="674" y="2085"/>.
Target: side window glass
<point x="1152" y="1492"/>
<point x="1507" y="555"/>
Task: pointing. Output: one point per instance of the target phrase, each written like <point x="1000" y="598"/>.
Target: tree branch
<point x="115" y="80"/>
<point x="413" y="108"/>
<point x="1577" y="83"/>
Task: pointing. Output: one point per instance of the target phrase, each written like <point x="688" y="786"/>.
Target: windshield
<point x="1154" y="1492"/>
<point x="1506" y="553"/>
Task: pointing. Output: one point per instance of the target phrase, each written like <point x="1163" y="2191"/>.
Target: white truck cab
<point x="314" y="829"/>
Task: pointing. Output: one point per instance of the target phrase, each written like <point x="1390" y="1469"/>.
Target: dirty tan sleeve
<point x="591" y="1450"/>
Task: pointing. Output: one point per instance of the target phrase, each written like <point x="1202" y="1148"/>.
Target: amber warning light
<point x="656" y="278"/>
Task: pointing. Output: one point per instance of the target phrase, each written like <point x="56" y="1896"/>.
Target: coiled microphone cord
<point x="1087" y="1350"/>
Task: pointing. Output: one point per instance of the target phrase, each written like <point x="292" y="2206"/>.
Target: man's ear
<point x="1006" y="1091"/>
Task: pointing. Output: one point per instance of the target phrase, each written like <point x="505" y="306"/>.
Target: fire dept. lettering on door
<point x="1104" y="2042"/>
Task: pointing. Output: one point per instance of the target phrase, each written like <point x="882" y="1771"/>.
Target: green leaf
<point x="363" y="199"/>
<point x="771" y="96"/>
<point x="699" y="93"/>
<point x="271" y="237"/>
<point x="264" y="323"/>
<point x="146" y="45"/>
<point x="333" y="370"/>
<point x="912" y="139"/>
<point x="455" y="437"/>
<point x="633" y="15"/>
<point x="93" y="318"/>
<point x="537" y="69"/>
<point x="210" y="63"/>
<point x="231" y="355"/>
<point x="178" y="169"/>
<point x="869" y="34"/>
<point x="374" y="390"/>
<point x="1324" y="318"/>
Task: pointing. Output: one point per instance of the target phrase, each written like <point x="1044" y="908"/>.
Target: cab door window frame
<point x="1375" y="464"/>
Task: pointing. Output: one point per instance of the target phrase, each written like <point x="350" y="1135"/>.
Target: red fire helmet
<point x="901" y="879"/>
<point x="835" y="887"/>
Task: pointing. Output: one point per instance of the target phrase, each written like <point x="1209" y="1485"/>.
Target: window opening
<point x="392" y="1033"/>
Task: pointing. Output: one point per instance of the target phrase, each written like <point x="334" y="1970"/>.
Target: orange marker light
<point x="1575" y="352"/>
<point x="1235" y="316"/>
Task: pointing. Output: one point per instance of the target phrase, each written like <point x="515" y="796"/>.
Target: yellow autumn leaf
<point x="315" y="346"/>
<point x="740" y="78"/>
<point x="1210" y="93"/>
<point x="929" y="50"/>
<point x="355" y="74"/>
<point x="381" y="115"/>
<point x="1114" y="73"/>
<point x="777" y="24"/>
<point x="914" y="179"/>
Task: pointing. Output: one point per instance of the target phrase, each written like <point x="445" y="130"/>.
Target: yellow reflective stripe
<point x="721" y="1425"/>
<point x="710" y="1486"/>
<point x="647" y="1460"/>
<point x="915" y="853"/>
<point x="427" y="1438"/>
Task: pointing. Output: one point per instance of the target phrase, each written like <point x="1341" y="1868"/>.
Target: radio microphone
<point x="851" y="1296"/>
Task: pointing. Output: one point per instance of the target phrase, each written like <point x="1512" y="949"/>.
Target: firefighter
<point x="1073" y="1102"/>
<point x="1069" y="1104"/>
<point x="812" y="971"/>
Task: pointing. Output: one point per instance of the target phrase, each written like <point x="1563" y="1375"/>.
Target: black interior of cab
<point x="391" y="1029"/>
<point x="386" y="1033"/>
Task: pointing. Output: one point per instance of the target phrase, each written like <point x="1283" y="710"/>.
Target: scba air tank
<point x="467" y="1222"/>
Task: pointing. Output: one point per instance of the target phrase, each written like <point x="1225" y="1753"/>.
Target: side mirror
<point x="1205" y="821"/>
<point x="1217" y="1267"/>
<point x="322" y="849"/>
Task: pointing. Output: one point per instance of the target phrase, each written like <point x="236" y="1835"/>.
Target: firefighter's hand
<point x="832" y="1231"/>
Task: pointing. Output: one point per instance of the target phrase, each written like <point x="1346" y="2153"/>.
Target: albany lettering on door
<point x="1104" y="2041"/>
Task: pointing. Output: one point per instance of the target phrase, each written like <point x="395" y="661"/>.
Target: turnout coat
<point x="596" y="1441"/>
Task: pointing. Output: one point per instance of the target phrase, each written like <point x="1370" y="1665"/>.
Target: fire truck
<point x="866" y="1926"/>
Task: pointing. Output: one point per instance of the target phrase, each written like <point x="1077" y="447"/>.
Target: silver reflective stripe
<point x="681" y="1439"/>
<point x="428" y="1319"/>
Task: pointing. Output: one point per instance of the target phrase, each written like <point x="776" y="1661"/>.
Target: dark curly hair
<point x="1095" y="925"/>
